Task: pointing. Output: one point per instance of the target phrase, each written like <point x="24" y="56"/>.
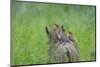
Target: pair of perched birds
<point x="62" y="48"/>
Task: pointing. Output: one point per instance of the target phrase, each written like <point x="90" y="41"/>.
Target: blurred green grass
<point x="29" y="39"/>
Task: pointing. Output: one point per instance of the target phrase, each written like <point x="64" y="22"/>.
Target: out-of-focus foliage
<point x="29" y="39"/>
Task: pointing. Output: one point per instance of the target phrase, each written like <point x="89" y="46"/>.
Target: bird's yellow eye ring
<point x="59" y="34"/>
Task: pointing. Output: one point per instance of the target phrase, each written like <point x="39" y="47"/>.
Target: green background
<point x="29" y="39"/>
